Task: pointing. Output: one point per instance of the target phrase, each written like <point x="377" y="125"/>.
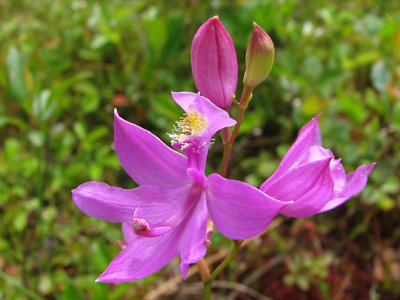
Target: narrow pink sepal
<point x="214" y="63"/>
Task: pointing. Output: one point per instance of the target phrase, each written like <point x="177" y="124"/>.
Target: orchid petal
<point x="128" y="233"/>
<point x="197" y="142"/>
<point x="158" y="205"/>
<point x="355" y="183"/>
<point x="164" y="207"/>
<point x="105" y="202"/>
<point x="142" y="257"/>
<point x="338" y="175"/>
<point x="214" y="63"/>
<point x="146" y="158"/>
<point x="191" y="247"/>
<point x="216" y="118"/>
<point x="146" y="255"/>
<point x="238" y="210"/>
<point x="309" y="186"/>
<point x="313" y="200"/>
<point x="308" y="136"/>
<point x="298" y="181"/>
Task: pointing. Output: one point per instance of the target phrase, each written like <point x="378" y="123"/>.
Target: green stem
<point x="219" y="269"/>
<point x="244" y="101"/>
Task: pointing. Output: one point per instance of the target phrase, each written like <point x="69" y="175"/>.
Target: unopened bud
<point x="260" y="56"/>
<point x="214" y="63"/>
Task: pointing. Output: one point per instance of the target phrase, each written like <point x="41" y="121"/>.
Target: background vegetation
<point x="65" y="64"/>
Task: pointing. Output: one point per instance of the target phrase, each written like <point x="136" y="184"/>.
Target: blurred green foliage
<point x="64" y="65"/>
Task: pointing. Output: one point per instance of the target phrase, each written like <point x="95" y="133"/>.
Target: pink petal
<point x="146" y="158"/>
<point x="142" y="257"/>
<point x="338" y="175"/>
<point x="297" y="181"/>
<point x="191" y="246"/>
<point x="146" y="255"/>
<point x="164" y="207"/>
<point x="308" y="204"/>
<point x="214" y="63"/>
<point x="216" y="118"/>
<point x="160" y="207"/>
<point x="355" y="183"/>
<point x="238" y="210"/>
<point x="309" y="186"/>
<point x="128" y="233"/>
<point x="308" y="136"/>
<point x="105" y="202"/>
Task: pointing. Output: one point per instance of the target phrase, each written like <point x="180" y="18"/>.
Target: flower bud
<point x="260" y="56"/>
<point x="214" y="63"/>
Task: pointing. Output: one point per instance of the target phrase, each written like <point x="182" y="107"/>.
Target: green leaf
<point x="361" y="59"/>
<point x="16" y="63"/>
<point x="380" y="75"/>
<point x="20" y="220"/>
<point x="36" y="138"/>
<point x="174" y="40"/>
<point x="43" y="107"/>
<point x="4" y="120"/>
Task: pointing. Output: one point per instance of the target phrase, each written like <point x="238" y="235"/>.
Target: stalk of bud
<point x="260" y="56"/>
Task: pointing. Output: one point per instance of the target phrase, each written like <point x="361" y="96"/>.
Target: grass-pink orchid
<point x="311" y="178"/>
<point x="214" y="63"/>
<point x="167" y="214"/>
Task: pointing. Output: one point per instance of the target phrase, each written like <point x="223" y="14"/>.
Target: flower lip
<point x="201" y="121"/>
<point x="190" y="126"/>
<point x="215" y="117"/>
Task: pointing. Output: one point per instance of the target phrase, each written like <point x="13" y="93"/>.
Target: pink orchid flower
<point x="311" y="178"/>
<point x="214" y="63"/>
<point x="167" y="214"/>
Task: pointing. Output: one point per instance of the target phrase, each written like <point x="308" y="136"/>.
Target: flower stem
<point x="219" y="269"/>
<point x="244" y="101"/>
<point x="203" y="269"/>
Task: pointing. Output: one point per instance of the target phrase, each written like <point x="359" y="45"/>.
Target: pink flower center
<point x="140" y="226"/>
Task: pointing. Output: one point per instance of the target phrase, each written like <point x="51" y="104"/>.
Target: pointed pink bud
<point x="214" y="63"/>
<point x="260" y="55"/>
